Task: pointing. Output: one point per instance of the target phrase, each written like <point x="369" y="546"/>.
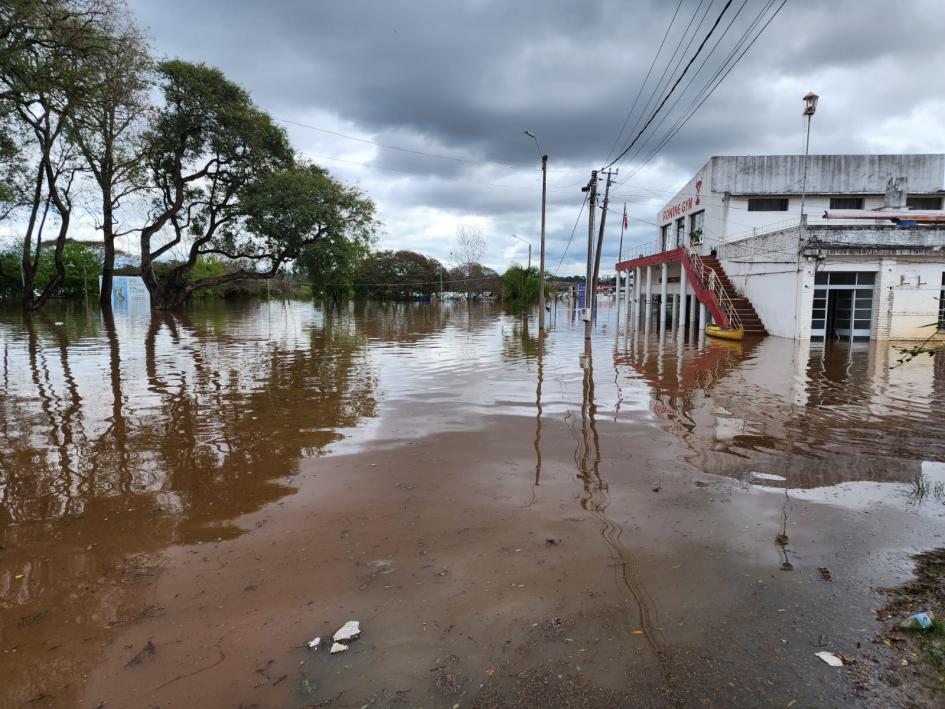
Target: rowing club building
<point x="855" y="250"/>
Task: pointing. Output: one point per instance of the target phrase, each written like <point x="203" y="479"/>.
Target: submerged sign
<point x="128" y="293"/>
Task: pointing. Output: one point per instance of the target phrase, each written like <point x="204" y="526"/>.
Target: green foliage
<point x="232" y="189"/>
<point x="474" y="279"/>
<point x="209" y="267"/>
<point x="83" y="266"/>
<point x="331" y="264"/>
<point x="398" y="275"/>
<point x="520" y="285"/>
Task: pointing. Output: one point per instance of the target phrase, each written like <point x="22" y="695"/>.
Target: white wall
<point x="915" y="299"/>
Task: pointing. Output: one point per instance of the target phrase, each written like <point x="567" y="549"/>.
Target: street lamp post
<point x="810" y="106"/>
<point x="541" y="258"/>
<point x="528" y="244"/>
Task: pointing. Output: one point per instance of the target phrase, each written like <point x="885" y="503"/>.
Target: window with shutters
<point x="768" y="204"/>
<point x="923" y="202"/>
<point x="846" y="203"/>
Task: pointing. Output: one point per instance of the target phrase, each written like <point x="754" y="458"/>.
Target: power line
<point x="673" y="88"/>
<point x="701" y="101"/>
<point x="478" y="183"/>
<point x="571" y="238"/>
<point x="691" y="81"/>
<point x="645" y="79"/>
<point x="660" y="87"/>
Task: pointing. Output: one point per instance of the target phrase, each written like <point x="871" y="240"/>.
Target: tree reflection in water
<point x="121" y="437"/>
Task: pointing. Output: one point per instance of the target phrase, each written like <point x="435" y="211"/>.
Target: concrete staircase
<point x="746" y="311"/>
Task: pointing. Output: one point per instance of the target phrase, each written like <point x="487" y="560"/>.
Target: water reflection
<point x="121" y="438"/>
<point x="813" y="415"/>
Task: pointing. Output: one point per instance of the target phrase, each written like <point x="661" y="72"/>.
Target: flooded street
<point x="186" y="501"/>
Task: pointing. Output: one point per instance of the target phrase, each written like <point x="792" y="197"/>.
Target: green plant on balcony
<point x="695" y="237"/>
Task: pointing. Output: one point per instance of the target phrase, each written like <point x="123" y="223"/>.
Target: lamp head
<point x="810" y="103"/>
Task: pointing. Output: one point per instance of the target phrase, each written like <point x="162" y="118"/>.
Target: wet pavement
<point x="186" y="501"/>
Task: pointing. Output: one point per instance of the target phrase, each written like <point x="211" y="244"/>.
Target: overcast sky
<point x="463" y="79"/>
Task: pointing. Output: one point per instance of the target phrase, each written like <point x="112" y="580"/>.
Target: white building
<point x="811" y="278"/>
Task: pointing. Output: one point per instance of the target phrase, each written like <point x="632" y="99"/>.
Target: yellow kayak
<point x="725" y="333"/>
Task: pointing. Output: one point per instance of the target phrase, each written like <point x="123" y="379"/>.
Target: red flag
<point x="626" y="224"/>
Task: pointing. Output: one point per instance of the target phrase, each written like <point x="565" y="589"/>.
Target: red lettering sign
<point x="677" y="210"/>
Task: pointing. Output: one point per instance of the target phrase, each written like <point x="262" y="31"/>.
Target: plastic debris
<point x="338" y="647"/>
<point x="314" y="643"/>
<point x="768" y="476"/>
<point x="918" y="621"/>
<point x="830" y="659"/>
<point x="349" y="631"/>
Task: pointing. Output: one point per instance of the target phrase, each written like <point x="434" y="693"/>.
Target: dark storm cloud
<point x="465" y="79"/>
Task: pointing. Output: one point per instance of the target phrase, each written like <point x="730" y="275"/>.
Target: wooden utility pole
<point x="588" y="281"/>
<point x="541" y="262"/>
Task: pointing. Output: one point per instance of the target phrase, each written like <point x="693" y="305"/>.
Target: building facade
<point x="814" y="277"/>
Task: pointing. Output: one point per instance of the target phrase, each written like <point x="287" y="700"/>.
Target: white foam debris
<point x="349" y="631"/>
<point x="768" y="476"/>
<point x="314" y="643"/>
<point x="337" y="647"/>
<point x="830" y="659"/>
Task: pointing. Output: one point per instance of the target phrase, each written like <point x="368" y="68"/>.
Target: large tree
<point x="107" y="128"/>
<point x="227" y="185"/>
<point x="47" y="51"/>
<point x="398" y="274"/>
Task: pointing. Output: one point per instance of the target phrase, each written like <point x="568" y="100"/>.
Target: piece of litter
<point x="830" y="659"/>
<point x="337" y="647"/>
<point x="314" y="643"/>
<point x="60" y="322"/>
<point x="768" y="476"/>
<point x="918" y="621"/>
<point x="636" y="631"/>
<point x="349" y="631"/>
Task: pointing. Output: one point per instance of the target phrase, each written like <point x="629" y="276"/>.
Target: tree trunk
<point x="108" y="260"/>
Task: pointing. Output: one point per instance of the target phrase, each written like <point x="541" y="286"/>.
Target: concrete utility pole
<point x="541" y="258"/>
<point x="600" y="235"/>
<point x="541" y="261"/>
<point x="591" y="212"/>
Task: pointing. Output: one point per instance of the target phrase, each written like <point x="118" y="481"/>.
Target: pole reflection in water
<point x="540" y="362"/>
<point x="595" y="499"/>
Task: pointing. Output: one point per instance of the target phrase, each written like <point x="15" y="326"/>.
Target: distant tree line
<point x="168" y="153"/>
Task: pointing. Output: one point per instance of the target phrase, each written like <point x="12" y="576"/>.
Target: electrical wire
<point x="692" y="59"/>
<point x="571" y="238"/>
<point x="699" y="102"/>
<point x="645" y="79"/>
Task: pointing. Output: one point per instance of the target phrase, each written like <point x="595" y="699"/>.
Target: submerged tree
<point x="520" y="285"/>
<point x="228" y="185"/>
<point x="398" y="274"/>
<point x="332" y="263"/>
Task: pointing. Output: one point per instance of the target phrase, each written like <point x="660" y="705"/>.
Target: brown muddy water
<point x="185" y="502"/>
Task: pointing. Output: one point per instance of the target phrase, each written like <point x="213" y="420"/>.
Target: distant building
<point x="857" y="278"/>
